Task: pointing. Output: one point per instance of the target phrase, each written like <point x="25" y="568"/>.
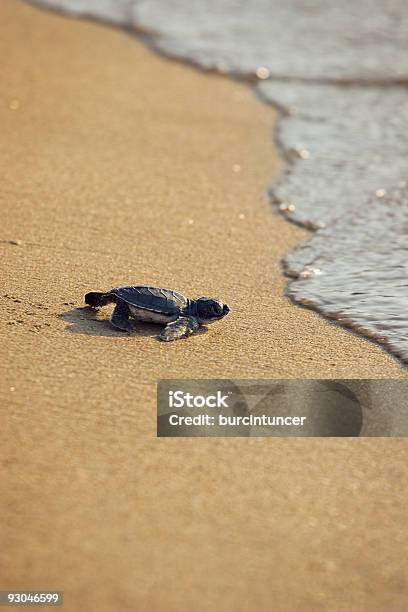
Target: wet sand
<point x="120" y="167"/>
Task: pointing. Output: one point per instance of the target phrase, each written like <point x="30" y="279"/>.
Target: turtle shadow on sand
<point x="83" y="320"/>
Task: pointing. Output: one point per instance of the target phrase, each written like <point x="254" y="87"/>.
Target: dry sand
<point x="117" y="168"/>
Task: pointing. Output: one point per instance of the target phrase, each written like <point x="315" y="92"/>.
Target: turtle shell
<point x="162" y="301"/>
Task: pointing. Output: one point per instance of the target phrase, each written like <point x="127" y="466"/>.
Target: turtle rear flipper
<point x="97" y="299"/>
<point x="181" y="328"/>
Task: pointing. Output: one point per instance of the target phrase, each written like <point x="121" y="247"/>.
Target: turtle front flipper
<point x="120" y="317"/>
<point x="180" y="328"/>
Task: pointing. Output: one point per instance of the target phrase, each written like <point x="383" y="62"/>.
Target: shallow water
<point x="339" y="74"/>
<point x="303" y="39"/>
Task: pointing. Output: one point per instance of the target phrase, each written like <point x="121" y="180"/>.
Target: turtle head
<point x="209" y="310"/>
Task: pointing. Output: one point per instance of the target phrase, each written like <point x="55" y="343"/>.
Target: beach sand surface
<point x="120" y="167"/>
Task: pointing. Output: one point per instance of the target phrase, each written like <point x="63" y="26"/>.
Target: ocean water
<point x="338" y="72"/>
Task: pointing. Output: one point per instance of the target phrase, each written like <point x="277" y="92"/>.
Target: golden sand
<point x="120" y="167"/>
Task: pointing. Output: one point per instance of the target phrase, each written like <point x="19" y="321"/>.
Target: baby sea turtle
<point x="181" y="315"/>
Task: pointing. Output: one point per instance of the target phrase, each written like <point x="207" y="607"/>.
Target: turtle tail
<point x="96" y="298"/>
